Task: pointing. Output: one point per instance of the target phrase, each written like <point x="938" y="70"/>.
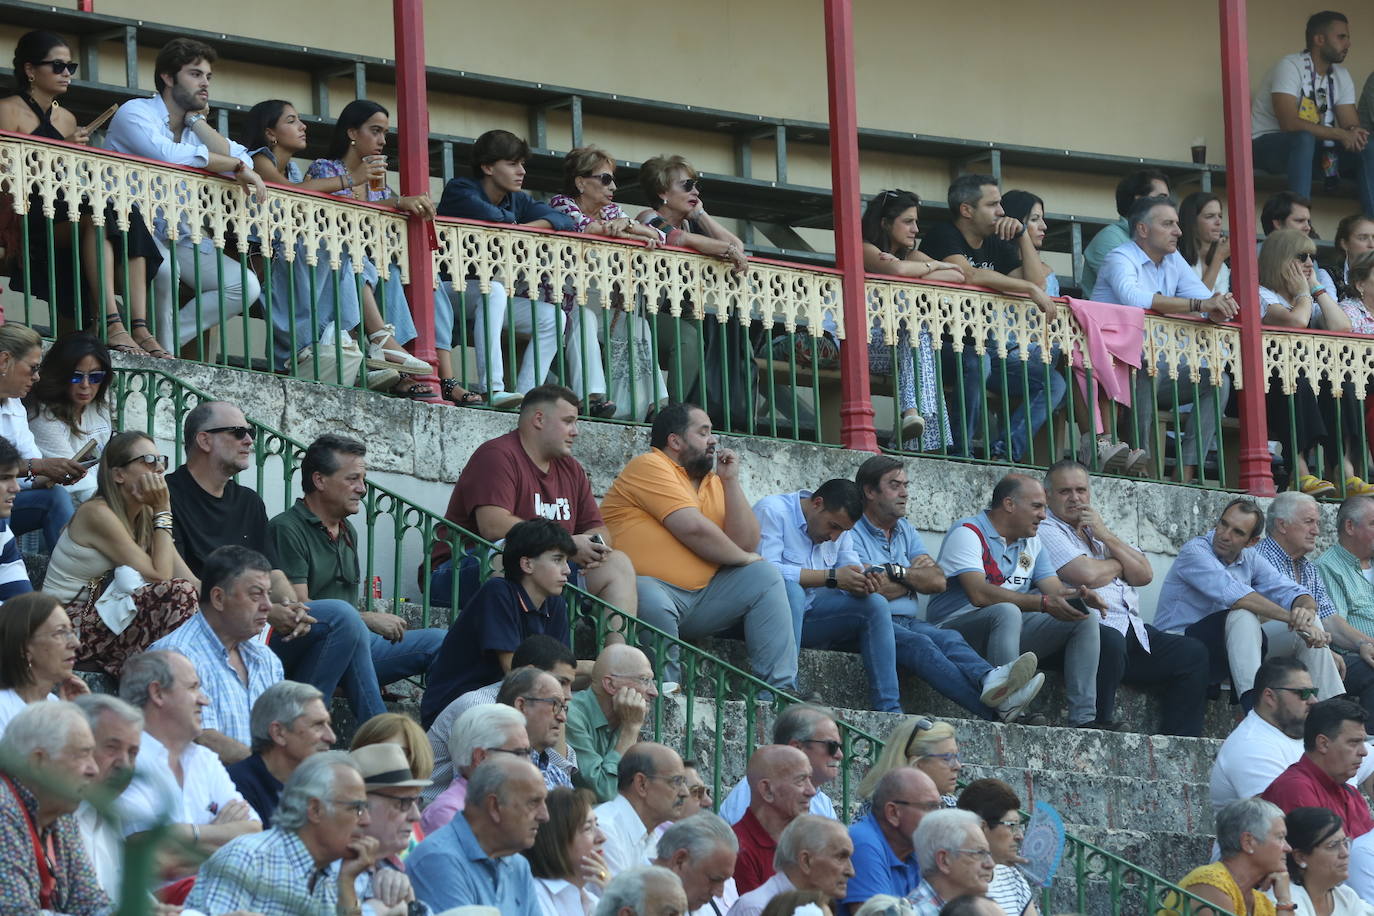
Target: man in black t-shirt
<point x="323" y="643"/>
<point x="991" y="247"/>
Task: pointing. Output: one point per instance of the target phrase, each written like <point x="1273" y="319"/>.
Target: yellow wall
<point x="1078" y="74"/>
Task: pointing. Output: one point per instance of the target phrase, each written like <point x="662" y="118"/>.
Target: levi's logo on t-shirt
<point x="560" y="510"/>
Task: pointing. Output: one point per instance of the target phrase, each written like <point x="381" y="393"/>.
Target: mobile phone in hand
<point x="1079" y="605"/>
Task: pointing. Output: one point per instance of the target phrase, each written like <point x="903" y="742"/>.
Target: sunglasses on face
<point x="690" y="184"/>
<point x="1304" y="693"/>
<point x="59" y="66"/>
<point x="158" y="460"/>
<point x="238" y="432"/>
<point x="606" y="178"/>
<point x="831" y="747"/>
<point x="88" y="378"/>
<point x="1305" y="256"/>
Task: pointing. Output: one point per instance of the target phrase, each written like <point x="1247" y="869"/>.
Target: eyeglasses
<point x="62" y="634"/>
<point x="927" y="807"/>
<point x="555" y="703"/>
<point x="606" y="178"/>
<point x="1335" y="845"/>
<point x="88" y="378"/>
<point x="158" y="460"/>
<point x="59" y="66"/>
<point x="1304" y="693"/>
<point x="1013" y="826"/>
<point x="524" y="753"/>
<point x="643" y="680"/>
<point x="238" y="432"/>
<point x="401" y="803"/>
<point x="949" y="760"/>
<point x="831" y="747"/>
<point x="984" y="854"/>
<point x="697" y="791"/>
<point x="358" y="808"/>
<point x="690" y="184"/>
<point x="677" y="782"/>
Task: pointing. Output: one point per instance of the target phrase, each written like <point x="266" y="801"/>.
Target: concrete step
<point x="840" y="678"/>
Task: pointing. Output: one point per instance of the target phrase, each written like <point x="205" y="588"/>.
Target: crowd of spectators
<point x="229" y="632"/>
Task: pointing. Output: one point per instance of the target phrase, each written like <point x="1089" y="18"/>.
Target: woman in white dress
<point x="566" y="861"/>
<point x="37" y="652"/>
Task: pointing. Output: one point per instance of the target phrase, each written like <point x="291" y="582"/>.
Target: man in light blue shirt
<point x="474" y="860"/>
<point x="1220" y="590"/>
<point x="836" y="602"/>
<point x="992" y="561"/>
<point x="174" y="126"/>
<point x="1147" y="272"/>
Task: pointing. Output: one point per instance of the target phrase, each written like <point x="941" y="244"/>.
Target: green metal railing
<point x="156" y="401"/>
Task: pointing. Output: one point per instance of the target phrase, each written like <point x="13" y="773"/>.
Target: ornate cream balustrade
<point x="39" y="174"/>
<point x="673" y="281"/>
<point x="1320" y="357"/>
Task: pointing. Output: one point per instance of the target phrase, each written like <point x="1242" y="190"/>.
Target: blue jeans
<point x="49" y="509"/>
<point x="340" y="650"/>
<point x="1294" y="153"/>
<point x="945" y="661"/>
<point x="1040" y="404"/>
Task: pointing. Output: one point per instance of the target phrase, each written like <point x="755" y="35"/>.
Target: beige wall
<point x="1080" y="74"/>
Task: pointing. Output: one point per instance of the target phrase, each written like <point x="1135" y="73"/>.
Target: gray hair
<point x="629" y="888"/>
<point x="1140" y="211"/>
<point x="283" y="702"/>
<point x="482" y="726"/>
<point x="942" y="831"/>
<point x="95" y="705"/>
<point x="491" y="776"/>
<point x="519" y="683"/>
<point x="807" y="831"/>
<point x="45" y="726"/>
<point x="1284" y="507"/>
<point x="315" y="778"/>
<point x="1244" y="815"/>
<point x="798" y="722"/>
<point x="144" y="670"/>
<point x="1353" y="509"/>
<point x="885" y="905"/>
<point x="701" y="834"/>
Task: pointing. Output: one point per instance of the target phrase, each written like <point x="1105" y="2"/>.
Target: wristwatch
<point x="831" y="580"/>
<point x="193" y="119"/>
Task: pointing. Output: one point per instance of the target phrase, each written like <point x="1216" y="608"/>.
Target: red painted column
<point x="856" y="408"/>
<point x="86" y="6"/>
<point x="412" y="116"/>
<point x="1255" y="474"/>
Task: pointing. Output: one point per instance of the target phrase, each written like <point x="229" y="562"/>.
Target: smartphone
<point x="597" y="539"/>
<point x="880" y="570"/>
<point x="1080" y="605"/>
<point x="89" y="454"/>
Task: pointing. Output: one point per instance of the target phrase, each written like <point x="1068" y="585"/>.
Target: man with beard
<point x="680" y="514"/>
<point x="118" y="729"/>
<point x="1303" y="116"/>
<point x="1269" y="739"/>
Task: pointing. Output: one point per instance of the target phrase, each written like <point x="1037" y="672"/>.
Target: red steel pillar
<point x="856" y="408"/>
<point x="412" y="114"/>
<point x="1255" y="474"/>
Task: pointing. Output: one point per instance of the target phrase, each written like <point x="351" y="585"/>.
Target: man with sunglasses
<point x="651" y="790"/>
<point x="323" y="642"/>
<point x="810" y="729"/>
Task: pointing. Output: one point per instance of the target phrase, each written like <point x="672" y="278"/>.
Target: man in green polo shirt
<point x="1345" y="566"/>
<point x="315" y="545"/>
<point x="604" y="720"/>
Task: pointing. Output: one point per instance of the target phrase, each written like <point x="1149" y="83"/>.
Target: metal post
<point x="1255" y="474"/>
<point x="413" y="112"/>
<point x="856" y="407"/>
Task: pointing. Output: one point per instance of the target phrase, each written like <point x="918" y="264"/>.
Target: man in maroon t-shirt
<point x="531" y="473"/>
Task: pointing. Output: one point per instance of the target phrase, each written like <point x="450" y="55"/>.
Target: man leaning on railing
<point x="174" y="126"/>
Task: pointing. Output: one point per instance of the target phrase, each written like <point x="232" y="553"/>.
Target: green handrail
<point x="704" y="675"/>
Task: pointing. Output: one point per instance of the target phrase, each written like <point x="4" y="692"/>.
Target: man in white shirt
<point x="701" y="851"/>
<point x="812" y="730"/>
<point x="1303" y="116"/>
<point x="118" y="729"/>
<point x="651" y="790"/>
<point x="1269" y="739"/>
<point x="176" y="780"/>
<point x="174" y="126"/>
<point x="813" y="855"/>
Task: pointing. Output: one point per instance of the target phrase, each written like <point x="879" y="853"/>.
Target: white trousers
<point x="1243" y="649"/>
<point x="240" y="288"/>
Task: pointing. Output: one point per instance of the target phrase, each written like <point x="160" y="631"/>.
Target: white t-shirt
<point x="154" y="796"/>
<point x="1223" y="282"/>
<point x="1268" y="297"/>
<point x="1292" y="75"/>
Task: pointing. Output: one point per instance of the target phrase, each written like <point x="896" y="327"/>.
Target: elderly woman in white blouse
<point x="566" y="859"/>
<point x="68" y="407"/>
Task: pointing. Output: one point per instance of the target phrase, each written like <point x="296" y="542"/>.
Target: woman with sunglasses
<point x="589" y="199"/>
<point x="1292" y="297"/>
<point x="68" y="405"/>
<point x="567" y="859"/>
<point x="1319" y="865"/>
<point x="127" y="523"/>
<point x="44" y="69"/>
<point x="920" y="742"/>
<point x="1000" y="808"/>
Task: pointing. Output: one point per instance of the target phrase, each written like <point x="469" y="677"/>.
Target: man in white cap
<point x="393" y="799"/>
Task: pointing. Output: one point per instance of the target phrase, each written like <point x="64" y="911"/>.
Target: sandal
<point x="466" y="399"/>
<point x="379" y="357"/>
<point x="155" y="351"/>
<point x="599" y="407"/>
<point x="409" y="388"/>
<point x="132" y="348"/>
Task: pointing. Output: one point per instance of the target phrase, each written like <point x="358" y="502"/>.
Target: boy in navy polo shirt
<point x="504" y="612"/>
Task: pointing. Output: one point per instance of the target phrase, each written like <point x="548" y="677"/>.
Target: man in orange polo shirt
<point x="680" y="514"/>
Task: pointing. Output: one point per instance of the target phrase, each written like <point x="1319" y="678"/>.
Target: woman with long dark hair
<point x="69" y="404"/>
<point x="43" y="69"/>
<point x="1205" y="244"/>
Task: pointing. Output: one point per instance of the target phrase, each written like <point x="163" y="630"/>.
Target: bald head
<point x="779" y="782"/>
<point x="620" y="666"/>
<point x="904" y="784"/>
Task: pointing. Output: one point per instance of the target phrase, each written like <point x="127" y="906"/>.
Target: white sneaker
<point x="1137" y="462"/>
<point x="1014" y="705"/>
<point x="1111" y="455"/>
<point x="1001" y="682"/>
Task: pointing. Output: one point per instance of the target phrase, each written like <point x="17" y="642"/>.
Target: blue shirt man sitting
<point x="884" y="859"/>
